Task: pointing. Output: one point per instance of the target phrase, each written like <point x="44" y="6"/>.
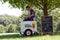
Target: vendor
<point x="31" y="14"/>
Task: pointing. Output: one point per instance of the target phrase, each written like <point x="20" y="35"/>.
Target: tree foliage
<point x="45" y="5"/>
<point x="51" y="4"/>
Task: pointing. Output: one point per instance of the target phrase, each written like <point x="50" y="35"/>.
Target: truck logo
<point x="28" y="25"/>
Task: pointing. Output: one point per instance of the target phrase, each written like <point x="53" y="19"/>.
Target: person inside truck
<point x="30" y="15"/>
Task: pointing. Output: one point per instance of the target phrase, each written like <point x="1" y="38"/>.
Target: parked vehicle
<point x="28" y="28"/>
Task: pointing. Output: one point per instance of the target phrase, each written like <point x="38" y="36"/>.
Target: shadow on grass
<point x="18" y="36"/>
<point x="55" y="34"/>
<point x="15" y="36"/>
<point x="10" y="36"/>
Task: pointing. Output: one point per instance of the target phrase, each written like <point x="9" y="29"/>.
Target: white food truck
<point x="28" y="28"/>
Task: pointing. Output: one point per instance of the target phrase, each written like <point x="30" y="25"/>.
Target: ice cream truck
<point x="28" y="28"/>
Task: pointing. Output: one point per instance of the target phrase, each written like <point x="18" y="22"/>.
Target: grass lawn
<point x="17" y="37"/>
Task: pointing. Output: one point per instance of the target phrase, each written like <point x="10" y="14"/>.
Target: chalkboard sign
<point x="47" y="24"/>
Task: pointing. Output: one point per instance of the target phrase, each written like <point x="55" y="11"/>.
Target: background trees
<point x="45" y="5"/>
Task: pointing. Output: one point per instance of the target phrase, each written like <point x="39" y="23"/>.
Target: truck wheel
<point x="28" y="32"/>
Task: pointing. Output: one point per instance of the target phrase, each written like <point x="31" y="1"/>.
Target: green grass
<point x="17" y="37"/>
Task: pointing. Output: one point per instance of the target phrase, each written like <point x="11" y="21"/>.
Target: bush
<point x="58" y="28"/>
<point x="2" y="29"/>
<point x="12" y="28"/>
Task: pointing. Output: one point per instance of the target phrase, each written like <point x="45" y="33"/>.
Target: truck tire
<point x="28" y="32"/>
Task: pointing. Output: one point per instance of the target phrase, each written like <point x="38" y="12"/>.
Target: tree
<point x="45" y="5"/>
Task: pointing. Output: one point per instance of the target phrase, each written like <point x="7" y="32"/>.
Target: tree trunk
<point x="45" y="10"/>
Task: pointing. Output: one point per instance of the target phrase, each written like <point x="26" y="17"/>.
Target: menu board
<point x="47" y="24"/>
